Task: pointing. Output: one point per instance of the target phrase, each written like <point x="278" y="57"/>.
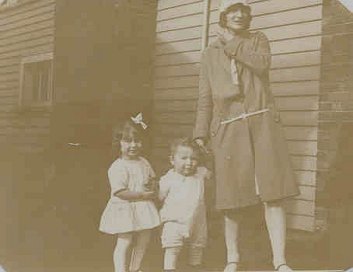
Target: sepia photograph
<point x="176" y="135"/>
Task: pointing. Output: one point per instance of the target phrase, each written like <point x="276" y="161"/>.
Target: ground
<point x="304" y="252"/>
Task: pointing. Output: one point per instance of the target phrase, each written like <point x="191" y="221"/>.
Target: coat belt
<point x="243" y="116"/>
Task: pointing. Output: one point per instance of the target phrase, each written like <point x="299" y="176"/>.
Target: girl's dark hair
<point x="222" y="16"/>
<point x="130" y="129"/>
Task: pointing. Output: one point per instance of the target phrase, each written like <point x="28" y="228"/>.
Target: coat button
<point x="228" y="157"/>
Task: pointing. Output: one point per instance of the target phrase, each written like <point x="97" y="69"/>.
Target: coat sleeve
<point x="253" y="53"/>
<point x="204" y="104"/>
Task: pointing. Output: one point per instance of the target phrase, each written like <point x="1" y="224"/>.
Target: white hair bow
<point x="138" y="119"/>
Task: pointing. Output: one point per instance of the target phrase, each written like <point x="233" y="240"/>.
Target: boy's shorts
<point x="175" y="234"/>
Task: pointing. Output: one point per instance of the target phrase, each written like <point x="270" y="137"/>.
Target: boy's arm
<point x="164" y="186"/>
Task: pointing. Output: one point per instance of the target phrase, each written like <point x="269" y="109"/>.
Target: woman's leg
<point x="120" y="253"/>
<point x="276" y="225"/>
<point x="142" y="240"/>
<point x="231" y="233"/>
<point x="171" y="255"/>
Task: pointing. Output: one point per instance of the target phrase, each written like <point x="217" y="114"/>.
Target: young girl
<point x="183" y="212"/>
<point x="130" y="212"/>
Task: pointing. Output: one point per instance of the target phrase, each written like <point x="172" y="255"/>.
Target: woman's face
<point x="238" y="18"/>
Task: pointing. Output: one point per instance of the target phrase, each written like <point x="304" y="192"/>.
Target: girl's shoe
<point x="284" y="268"/>
<point x="231" y="267"/>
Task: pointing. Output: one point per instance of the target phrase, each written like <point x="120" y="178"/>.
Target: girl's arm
<point x="118" y="178"/>
<point x="134" y="196"/>
<point x="254" y="54"/>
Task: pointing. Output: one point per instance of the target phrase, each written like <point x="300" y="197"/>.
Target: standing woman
<point x="237" y="114"/>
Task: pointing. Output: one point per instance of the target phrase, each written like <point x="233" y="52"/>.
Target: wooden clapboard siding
<point x="25" y="29"/>
<point x="335" y="110"/>
<point x="294" y="28"/>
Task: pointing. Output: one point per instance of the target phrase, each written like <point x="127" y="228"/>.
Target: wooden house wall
<point x="294" y="30"/>
<point x="336" y="101"/>
<point x="26" y="28"/>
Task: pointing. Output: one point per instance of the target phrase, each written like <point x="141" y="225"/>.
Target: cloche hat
<point x="228" y="3"/>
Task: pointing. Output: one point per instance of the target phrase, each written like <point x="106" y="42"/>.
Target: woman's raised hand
<point x="224" y="34"/>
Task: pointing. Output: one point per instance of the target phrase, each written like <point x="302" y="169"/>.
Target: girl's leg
<point x="171" y="255"/>
<point x="231" y="233"/>
<point x="120" y="253"/>
<point x="276" y="225"/>
<point x="142" y="240"/>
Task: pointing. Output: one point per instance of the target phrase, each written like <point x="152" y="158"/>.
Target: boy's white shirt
<point x="182" y="196"/>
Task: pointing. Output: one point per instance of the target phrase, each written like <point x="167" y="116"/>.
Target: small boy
<point x="183" y="212"/>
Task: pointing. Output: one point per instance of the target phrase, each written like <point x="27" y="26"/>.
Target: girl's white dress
<point x="121" y="216"/>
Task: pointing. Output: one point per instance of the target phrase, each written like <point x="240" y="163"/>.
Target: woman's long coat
<point x="253" y="146"/>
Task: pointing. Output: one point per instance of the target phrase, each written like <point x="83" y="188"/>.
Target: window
<point x="7" y="3"/>
<point x="36" y="81"/>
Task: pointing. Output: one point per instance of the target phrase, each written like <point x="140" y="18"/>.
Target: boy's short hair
<point x="186" y="142"/>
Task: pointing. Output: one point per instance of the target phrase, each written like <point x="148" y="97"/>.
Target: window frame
<point x="35" y="59"/>
<point x="9" y="4"/>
